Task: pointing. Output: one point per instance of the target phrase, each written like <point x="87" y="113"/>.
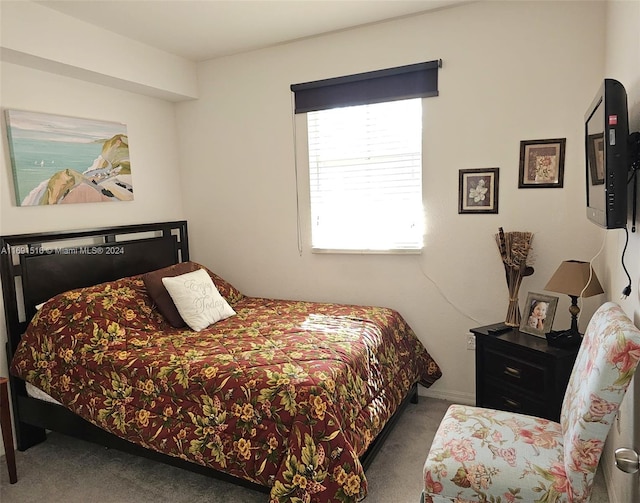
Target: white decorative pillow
<point x="197" y="299"/>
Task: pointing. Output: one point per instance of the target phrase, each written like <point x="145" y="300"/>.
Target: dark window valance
<point x="419" y="80"/>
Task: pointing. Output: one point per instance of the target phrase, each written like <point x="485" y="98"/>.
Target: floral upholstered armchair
<point x="484" y="455"/>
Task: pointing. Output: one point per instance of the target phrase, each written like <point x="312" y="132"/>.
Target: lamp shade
<point x="571" y="278"/>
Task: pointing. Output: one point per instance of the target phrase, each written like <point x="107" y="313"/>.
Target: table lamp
<point x="571" y="278"/>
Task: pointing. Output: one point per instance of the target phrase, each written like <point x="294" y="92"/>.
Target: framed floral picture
<point x="539" y="311"/>
<point x="542" y="164"/>
<point x="478" y="190"/>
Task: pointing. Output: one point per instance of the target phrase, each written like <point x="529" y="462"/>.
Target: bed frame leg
<point x="414" y="395"/>
<point x="28" y="436"/>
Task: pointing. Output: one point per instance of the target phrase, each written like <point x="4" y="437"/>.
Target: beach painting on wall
<point x="62" y="160"/>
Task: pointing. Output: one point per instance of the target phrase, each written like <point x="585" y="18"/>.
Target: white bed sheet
<point x="34" y="392"/>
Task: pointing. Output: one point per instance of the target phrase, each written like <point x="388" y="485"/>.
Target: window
<point x="365" y="157"/>
<point x="365" y="171"/>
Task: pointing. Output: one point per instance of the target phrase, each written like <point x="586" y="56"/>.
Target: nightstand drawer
<point x="504" y="398"/>
<point x="524" y="374"/>
<point x="520" y="372"/>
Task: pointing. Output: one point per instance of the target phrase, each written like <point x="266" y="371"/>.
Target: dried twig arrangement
<point x="514" y="249"/>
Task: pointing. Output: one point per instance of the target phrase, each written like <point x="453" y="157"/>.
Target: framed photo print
<point x="539" y="311"/>
<point x="478" y="190"/>
<point x="542" y="164"/>
<point x="595" y="151"/>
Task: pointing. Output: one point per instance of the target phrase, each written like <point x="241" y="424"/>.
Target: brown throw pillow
<point x="164" y="302"/>
<point x="159" y="295"/>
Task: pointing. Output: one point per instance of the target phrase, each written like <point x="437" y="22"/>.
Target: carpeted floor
<point x="66" y="470"/>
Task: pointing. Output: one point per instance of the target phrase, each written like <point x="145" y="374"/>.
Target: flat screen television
<point x="607" y="162"/>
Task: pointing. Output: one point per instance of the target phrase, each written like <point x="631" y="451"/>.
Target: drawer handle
<point x="512" y="372"/>
<point x="511" y="403"/>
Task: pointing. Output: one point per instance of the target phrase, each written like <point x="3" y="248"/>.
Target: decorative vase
<point x="514" y="249"/>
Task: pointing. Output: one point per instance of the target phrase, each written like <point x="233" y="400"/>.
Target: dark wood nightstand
<point x="519" y="372"/>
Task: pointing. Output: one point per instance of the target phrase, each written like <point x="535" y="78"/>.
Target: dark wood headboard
<point x="35" y="267"/>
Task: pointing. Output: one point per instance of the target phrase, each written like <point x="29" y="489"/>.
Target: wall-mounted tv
<point x="607" y="162"/>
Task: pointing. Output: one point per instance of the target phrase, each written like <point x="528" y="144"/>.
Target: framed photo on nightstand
<point x="539" y="311"/>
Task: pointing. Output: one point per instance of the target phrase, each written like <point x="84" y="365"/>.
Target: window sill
<point x="367" y="252"/>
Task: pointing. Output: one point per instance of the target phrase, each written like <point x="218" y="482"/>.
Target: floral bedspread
<point x="286" y="394"/>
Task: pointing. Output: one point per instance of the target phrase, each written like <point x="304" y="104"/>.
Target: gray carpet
<point x="63" y="469"/>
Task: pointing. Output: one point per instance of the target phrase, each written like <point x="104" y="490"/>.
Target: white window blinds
<point x="365" y="166"/>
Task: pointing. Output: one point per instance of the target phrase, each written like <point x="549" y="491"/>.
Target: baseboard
<point x="451" y="396"/>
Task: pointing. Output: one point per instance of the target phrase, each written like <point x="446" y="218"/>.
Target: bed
<point x="287" y="397"/>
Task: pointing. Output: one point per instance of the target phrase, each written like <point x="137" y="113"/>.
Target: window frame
<point x="415" y="241"/>
<point x="419" y="80"/>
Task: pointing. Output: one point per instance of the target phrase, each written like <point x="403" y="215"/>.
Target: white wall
<point x="512" y="71"/>
<point x="155" y="163"/>
<point x="623" y="63"/>
<point x="39" y="37"/>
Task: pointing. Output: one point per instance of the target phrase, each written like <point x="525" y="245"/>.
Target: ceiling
<point x="203" y="29"/>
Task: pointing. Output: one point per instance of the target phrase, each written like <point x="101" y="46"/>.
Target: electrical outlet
<point x="471" y="342"/>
